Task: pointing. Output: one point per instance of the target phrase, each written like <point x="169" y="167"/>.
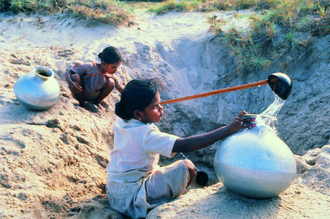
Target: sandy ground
<point x="53" y="162"/>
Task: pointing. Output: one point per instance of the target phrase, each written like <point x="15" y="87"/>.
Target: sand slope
<point x="53" y="162"/>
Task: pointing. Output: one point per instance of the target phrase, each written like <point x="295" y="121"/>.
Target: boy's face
<point x="154" y="112"/>
<point x="111" y="68"/>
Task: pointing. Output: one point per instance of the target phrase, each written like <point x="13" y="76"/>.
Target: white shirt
<point x="137" y="147"/>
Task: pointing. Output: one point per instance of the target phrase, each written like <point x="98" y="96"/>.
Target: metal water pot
<point x="38" y="89"/>
<point x="255" y="163"/>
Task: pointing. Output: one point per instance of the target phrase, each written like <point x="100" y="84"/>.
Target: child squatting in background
<point x="136" y="183"/>
<point x="95" y="81"/>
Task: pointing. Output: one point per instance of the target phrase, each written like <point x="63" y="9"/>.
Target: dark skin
<point x="112" y="81"/>
<point x="154" y="112"/>
<point x="200" y="141"/>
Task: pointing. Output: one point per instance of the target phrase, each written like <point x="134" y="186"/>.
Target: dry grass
<point x="277" y="32"/>
<point x="92" y="11"/>
<point x="253" y="50"/>
<point x="142" y="4"/>
<point x="211" y="5"/>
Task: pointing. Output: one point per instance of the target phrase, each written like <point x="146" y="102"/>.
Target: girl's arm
<point x="118" y="84"/>
<point x="68" y="77"/>
<point x="197" y="142"/>
<point x="73" y="86"/>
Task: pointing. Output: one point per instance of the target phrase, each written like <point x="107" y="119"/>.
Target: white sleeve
<point x="159" y="142"/>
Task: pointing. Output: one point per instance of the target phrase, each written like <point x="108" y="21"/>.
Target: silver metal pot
<point x="255" y="163"/>
<point x="38" y="89"/>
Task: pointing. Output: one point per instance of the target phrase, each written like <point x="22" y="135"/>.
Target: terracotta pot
<point x="255" y="163"/>
<point x="38" y="89"/>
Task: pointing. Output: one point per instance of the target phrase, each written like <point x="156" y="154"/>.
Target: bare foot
<point x="100" y="107"/>
<point x="85" y="106"/>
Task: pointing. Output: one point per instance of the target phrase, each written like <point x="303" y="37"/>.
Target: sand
<point x="53" y="162"/>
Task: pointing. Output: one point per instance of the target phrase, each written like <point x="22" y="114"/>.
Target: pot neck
<point x="264" y="123"/>
<point x="43" y="73"/>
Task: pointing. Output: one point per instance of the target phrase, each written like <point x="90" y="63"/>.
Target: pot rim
<point x="268" y="118"/>
<point x="43" y="69"/>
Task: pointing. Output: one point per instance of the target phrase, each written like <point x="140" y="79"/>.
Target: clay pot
<point x="38" y="89"/>
<point x="255" y="163"/>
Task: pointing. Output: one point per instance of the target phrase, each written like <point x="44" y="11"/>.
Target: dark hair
<point x="137" y="95"/>
<point x="110" y="55"/>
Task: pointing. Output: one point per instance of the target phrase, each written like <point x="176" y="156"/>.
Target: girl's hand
<point x="75" y="88"/>
<point x="107" y="75"/>
<point x="239" y="123"/>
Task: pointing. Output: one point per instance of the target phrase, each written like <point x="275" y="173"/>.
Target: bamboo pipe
<point x="220" y="91"/>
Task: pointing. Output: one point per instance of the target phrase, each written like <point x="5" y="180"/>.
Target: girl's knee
<point x="111" y="83"/>
<point x="191" y="168"/>
<point x="75" y="78"/>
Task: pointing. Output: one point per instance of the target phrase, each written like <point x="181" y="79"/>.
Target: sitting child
<point x="136" y="183"/>
<point x="95" y="81"/>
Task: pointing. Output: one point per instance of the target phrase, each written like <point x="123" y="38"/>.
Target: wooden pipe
<point x="220" y="91"/>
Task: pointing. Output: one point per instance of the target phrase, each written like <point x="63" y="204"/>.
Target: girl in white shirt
<point x="136" y="183"/>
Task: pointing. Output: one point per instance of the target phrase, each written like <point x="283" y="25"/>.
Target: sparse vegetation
<point x="211" y="5"/>
<point x="274" y="20"/>
<point x="275" y="34"/>
<point x="92" y="11"/>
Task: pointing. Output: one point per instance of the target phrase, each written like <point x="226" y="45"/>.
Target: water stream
<point x="267" y="118"/>
<point x="274" y="108"/>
